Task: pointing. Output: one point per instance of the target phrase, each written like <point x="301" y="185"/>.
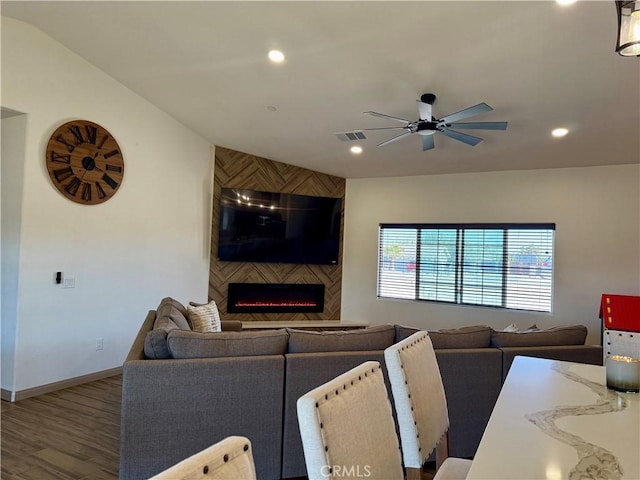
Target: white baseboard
<point x="7" y="395"/>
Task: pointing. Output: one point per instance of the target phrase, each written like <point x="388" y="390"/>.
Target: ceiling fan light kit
<point x="427" y="125"/>
<point x="628" y="28"/>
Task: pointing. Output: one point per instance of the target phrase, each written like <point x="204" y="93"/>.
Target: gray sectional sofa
<point x="183" y="390"/>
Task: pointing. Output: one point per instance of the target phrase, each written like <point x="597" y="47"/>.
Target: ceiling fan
<point x="427" y="124"/>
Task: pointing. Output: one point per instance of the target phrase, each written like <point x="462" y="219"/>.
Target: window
<point x="496" y="265"/>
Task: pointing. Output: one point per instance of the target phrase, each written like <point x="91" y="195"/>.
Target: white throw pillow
<point x="204" y="318"/>
<point x="510" y="328"/>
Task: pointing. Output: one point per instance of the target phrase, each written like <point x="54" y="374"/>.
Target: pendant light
<point x="628" y="28"/>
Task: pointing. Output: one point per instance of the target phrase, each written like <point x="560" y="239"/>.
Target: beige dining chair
<point x="229" y="459"/>
<point x="347" y="428"/>
<point x="421" y="408"/>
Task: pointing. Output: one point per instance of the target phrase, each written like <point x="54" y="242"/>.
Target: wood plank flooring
<point x="71" y="434"/>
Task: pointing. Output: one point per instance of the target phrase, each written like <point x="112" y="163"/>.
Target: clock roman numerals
<point x="92" y="133"/>
<point x="77" y="133"/>
<point x="57" y="158"/>
<point x="73" y="186"/>
<point x="62" y="174"/>
<point x="109" y="181"/>
<point x="100" y="191"/>
<point x="64" y="141"/>
<point x="113" y="168"/>
<point x="86" y="192"/>
<point x="102" y="142"/>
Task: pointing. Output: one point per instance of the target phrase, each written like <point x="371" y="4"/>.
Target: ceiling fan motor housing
<point x="427" y="128"/>
<point x="429" y="98"/>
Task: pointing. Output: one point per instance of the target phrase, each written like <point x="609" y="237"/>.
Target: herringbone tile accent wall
<point x="241" y="170"/>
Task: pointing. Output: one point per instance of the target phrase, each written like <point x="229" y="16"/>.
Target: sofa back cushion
<point x="155" y="343"/>
<point x="403" y="332"/>
<point x="476" y="336"/>
<point x="181" y="308"/>
<point x="170" y="315"/>
<point x="371" y="338"/>
<point x="188" y="344"/>
<point x="568" y="335"/>
<point x="173" y="310"/>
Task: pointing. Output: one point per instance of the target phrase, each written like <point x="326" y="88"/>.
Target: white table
<point x="554" y="420"/>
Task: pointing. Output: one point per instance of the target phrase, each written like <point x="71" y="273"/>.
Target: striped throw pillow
<point x="204" y="318"/>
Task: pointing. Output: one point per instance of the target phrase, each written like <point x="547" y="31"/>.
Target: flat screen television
<point x="278" y="227"/>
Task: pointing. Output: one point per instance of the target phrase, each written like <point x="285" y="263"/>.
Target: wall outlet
<point x="99" y="343"/>
<point x="69" y="282"/>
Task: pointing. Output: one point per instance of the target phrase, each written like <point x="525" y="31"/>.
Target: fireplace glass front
<point x="275" y="298"/>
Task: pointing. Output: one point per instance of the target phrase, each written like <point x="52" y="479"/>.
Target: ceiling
<point x="538" y="64"/>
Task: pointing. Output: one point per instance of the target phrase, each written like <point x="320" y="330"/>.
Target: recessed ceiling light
<point x="276" y="56"/>
<point x="559" y="132"/>
<point x="356" y="149"/>
<point x="564" y="3"/>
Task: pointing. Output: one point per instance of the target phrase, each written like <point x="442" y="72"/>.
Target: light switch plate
<point x="69" y="282"/>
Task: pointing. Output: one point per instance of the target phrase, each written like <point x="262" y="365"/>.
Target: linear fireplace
<point x="275" y="298"/>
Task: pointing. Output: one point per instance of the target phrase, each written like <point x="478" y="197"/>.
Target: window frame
<point x="461" y="263"/>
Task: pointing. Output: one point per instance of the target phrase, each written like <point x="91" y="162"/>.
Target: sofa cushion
<point x="403" y="332"/>
<point x="181" y="308"/>
<point x="172" y="310"/>
<point x="513" y="328"/>
<point x="155" y="343"/>
<point x="476" y="336"/>
<point x="188" y="344"/>
<point x="204" y="318"/>
<point x="371" y="338"/>
<point x="568" y="335"/>
<point x="169" y="316"/>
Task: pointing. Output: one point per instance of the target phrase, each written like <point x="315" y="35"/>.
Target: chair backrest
<point x="347" y="428"/>
<point x="229" y="459"/>
<point x="418" y="394"/>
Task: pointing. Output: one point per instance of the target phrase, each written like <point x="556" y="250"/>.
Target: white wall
<point x="149" y="241"/>
<point x="12" y="176"/>
<point x="597" y="242"/>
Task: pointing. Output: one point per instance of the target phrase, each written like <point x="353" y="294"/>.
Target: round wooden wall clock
<point x="85" y="162"/>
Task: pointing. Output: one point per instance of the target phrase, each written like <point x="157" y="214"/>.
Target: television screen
<point x="278" y="227"/>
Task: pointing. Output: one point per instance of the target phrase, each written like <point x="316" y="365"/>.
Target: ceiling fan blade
<point x="424" y="109"/>
<point x="479" y="125"/>
<point x="382" y="115"/>
<point x="467" y="112"/>
<point x="427" y="142"/>
<point x="383" y="128"/>
<point x="462" y="137"/>
<point x="391" y="140"/>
